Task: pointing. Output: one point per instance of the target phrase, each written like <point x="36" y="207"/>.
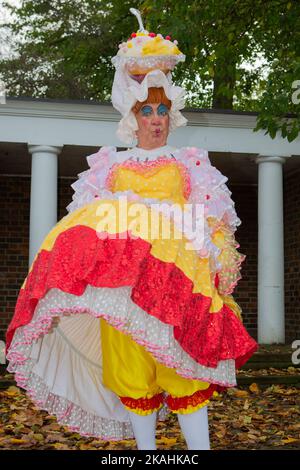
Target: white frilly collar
<point x="140" y="154"/>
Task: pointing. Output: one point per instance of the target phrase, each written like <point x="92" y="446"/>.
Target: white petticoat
<point x="57" y="358"/>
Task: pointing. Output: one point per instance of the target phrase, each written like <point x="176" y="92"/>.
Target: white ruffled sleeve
<point x="91" y="182"/>
<point x="208" y="187"/>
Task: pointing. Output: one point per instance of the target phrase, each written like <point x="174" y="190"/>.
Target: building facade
<point x="44" y="145"/>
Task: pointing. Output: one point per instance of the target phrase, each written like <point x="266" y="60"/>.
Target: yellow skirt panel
<point x="174" y="249"/>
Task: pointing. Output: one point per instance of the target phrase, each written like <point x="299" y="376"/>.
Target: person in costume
<point x="116" y="325"/>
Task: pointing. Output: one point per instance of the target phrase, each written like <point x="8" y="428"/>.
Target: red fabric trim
<point x="144" y="404"/>
<point x="175" y="403"/>
<point x="80" y="258"/>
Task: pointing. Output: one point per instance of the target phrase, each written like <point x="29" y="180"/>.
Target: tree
<point x="279" y="36"/>
<point x="65" y="48"/>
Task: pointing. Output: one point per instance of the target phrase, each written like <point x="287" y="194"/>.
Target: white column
<point x="43" y="194"/>
<point x="271" y="313"/>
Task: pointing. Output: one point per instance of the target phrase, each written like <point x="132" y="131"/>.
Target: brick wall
<point x="292" y="255"/>
<point x="64" y="195"/>
<point x="245" y="293"/>
<point x="14" y="238"/>
<point x="14" y="242"/>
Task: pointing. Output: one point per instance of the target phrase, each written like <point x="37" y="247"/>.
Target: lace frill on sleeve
<point x="206" y="186"/>
<point x="220" y="219"/>
<point x="91" y="183"/>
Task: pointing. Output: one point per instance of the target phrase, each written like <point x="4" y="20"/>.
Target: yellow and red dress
<point x="116" y="313"/>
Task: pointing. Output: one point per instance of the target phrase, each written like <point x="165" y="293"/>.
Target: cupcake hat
<point x="145" y="60"/>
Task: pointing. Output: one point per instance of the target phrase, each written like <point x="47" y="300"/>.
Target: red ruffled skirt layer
<point x="79" y="258"/>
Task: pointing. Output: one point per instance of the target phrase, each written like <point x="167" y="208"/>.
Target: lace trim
<point x="68" y="413"/>
<point x="143" y="405"/>
<point x="177" y="404"/>
<point x="45" y="323"/>
<point x="148" y="169"/>
<point x="203" y="184"/>
<point x="169" y="60"/>
<point x="230" y="259"/>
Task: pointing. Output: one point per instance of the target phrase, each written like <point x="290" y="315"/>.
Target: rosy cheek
<point x="166" y="121"/>
<point x="145" y="121"/>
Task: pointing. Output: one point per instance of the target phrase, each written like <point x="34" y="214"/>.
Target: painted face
<point x="153" y="125"/>
<point x="162" y="110"/>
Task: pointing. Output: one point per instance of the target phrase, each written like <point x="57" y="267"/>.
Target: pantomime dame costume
<point x="115" y="325"/>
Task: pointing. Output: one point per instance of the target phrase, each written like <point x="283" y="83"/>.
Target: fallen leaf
<point x="254" y="388"/>
<point x="289" y="440"/>
<point x="18" y="441"/>
<point x="220" y="434"/>
<point x="59" y="446"/>
<point x="247" y="419"/>
<point x="246" y="405"/>
<point x="12" y="391"/>
<point x="52" y="427"/>
<point x="239" y="420"/>
<point x="38" y="437"/>
<point x="241" y="393"/>
<point x="84" y="446"/>
<point x="53" y="436"/>
<point x="168" y="440"/>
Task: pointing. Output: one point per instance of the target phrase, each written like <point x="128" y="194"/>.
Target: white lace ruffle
<point x="208" y="187"/>
<point x="205" y="181"/>
<point x="140" y="155"/>
<point x="91" y="181"/>
<point x="169" y="61"/>
<point x="116" y="306"/>
<point x="52" y="373"/>
<point x="58" y="358"/>
<point x="126" y="92"/>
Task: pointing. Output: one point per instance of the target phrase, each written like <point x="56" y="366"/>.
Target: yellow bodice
<point x="151" y="180"/>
